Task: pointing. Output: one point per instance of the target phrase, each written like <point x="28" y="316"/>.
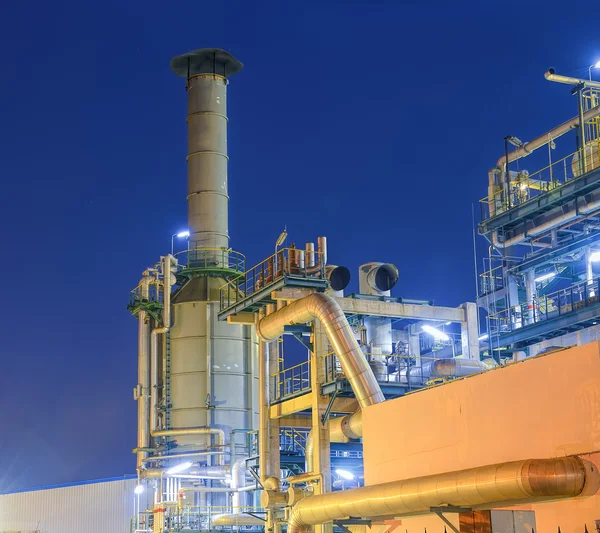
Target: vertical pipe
<point x="581" y="130"/>
<point x="143" y="377"/>
<point x="263" y="411"/>
<point x="166" y="263"/>
<point x="322" y="249"/>
<point x="310" y="254"/>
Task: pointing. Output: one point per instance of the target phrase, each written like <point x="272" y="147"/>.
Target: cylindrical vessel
<point x="211" y="371"/>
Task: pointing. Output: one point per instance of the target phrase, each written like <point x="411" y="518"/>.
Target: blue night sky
<point x="372" y="123"/>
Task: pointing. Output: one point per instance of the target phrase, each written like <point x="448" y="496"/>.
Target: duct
<point x="528" y="148"/>
<point x="143" y="388"/>
<point x="219" y="433"/>
<point x="237" y="519"/>
<point x="325" y="309"/>
<point x="215" y="489"/>
<point x="484" y="487"/>
<point x="583" y="209"/>
<point x="338" y="277"/>
<point x="377" y="279"/>
<point x="166" y="263"/>
<point x="550" y="75"/>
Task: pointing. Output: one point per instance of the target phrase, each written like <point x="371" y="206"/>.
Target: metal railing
<point x="545" y="307"/>
<point x="292" y="380"/>
<point x="187" y="517"/>
<point x="155" y="293"/>
<point x="524" y="186"/>
<point x="491" y="281"/>
<point x="292" y="440"/>
<point x="285" y="263"/>
<point x="211" y="258"/>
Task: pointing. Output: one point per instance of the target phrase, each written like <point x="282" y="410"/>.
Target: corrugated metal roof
<point x="72" y="484"/>
<point x="93" y="507"/>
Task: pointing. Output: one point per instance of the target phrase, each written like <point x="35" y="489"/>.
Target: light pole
<point x="138" y="490"/>
<point x="595" y="65"/>
<point x="180" y="235"/>
<point x="280" y="240"/>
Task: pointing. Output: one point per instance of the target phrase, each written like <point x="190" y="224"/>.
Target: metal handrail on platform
<point x="546" y="307"/>
<point x="284" y="264"/>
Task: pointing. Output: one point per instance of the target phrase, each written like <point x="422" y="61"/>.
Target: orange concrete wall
<point x="539" y="408"/>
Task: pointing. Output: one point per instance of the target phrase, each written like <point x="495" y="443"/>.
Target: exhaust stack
<point x="207" y="71"/>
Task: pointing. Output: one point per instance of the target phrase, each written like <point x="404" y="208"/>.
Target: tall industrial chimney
<point x="207" y="71"/>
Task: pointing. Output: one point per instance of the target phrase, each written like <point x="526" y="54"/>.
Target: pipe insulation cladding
<point x="339" y="332"/>
<point x="483" y="488"/>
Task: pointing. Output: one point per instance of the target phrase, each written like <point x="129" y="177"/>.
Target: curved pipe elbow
<point x="327" y="311"/>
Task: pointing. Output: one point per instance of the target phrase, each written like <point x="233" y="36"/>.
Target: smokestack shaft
<point x="207" y="161"/>
<point x="207" y="71"/>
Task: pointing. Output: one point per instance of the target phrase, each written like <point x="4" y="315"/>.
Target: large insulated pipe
<point x="143" y="390"/>
<point x="327" y="311"/>
<point x="166" y="263"/>
<point x="551" y="75"/>
<point x="483" y="487"/>
<point x="207" y="71"/>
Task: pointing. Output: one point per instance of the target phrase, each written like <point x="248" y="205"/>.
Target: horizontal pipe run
<point x="219" y="433"/>
<point x="484" y="487"/>
<point x="237" y="519"/>
<point x="551" y="75"/>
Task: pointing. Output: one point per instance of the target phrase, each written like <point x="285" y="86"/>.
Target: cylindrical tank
<point x="211" y="371"/>
<point x="379" y="333"/>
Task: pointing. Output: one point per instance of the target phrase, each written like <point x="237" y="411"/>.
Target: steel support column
<point x="322" y="453"/>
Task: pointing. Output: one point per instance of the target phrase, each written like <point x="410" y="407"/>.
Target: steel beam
<point x="401" y="310"/>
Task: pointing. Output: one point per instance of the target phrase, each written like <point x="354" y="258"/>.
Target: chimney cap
<point x="206" y="61"/>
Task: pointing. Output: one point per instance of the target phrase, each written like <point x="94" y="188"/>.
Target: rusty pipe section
<point x="483" y="487"/>
<point x="326" y="310"/>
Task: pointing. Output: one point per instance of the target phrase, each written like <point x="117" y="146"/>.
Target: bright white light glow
<point x="139" y="489"/>
<point x="181" y="467"/>
<point x="544" y="277"/>
<point x="344" y="474"/>
<point x="523" y="186"/>
<point x="435" y="333"/>
<point x="183" y="234"/>
<point x="595" y="257"/>
<point x="483" y="337"/>
<point x="597" y="64"/>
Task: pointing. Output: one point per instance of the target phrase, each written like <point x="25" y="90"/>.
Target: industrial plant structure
<point x="403" y="414"/>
